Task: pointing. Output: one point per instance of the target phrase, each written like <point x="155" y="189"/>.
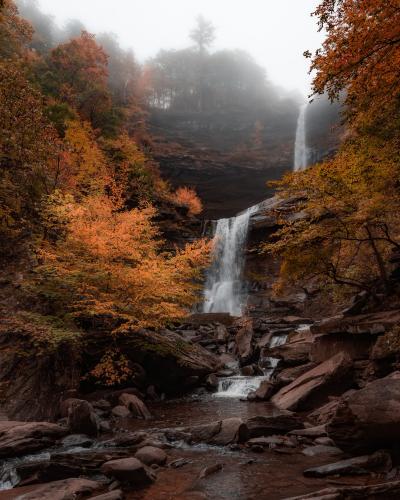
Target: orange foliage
<point x="361" y="53"/>
<point x="187" y="197"/>
<point x="111" y="264"/>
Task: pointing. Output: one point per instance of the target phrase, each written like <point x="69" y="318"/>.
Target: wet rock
<point x="150" y="455"/>
<point x="273" y="441"/>
<point x="60" y="490"/>
<point x="320" y="449"/>
<point x="77" y="440"/>
<point x="314" y="385"/>
<point x="389" y="490"/>
<point x="256" y="448"/>
<point x="135" y="406"/>
<point x="127" y="439"/>
<point x="324" y="413"/>
<point x="247" y="371"/>
<point x="277" y="423"/>
<point x="20" y="438"/>
<point x="130" y="470"/>
<point x="352" y="466"/>
<point x="222" y="432"/>
<point x="265" y="391"/>
<point x="211" y="469"/>
<point x="212" y="382"/>
<point x="121" y="411"/>
<point x="288" y="375"/>
<point x="292" y="354"/>
<point x="243" y="341"/>
<point x="221" y="333"/>
<point x="368" y="418"/>
<point x="325" y="441"/>
<point x="81" y="417"/>
<point x="312" y="432"/>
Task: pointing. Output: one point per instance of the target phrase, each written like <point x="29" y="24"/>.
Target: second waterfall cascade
<point x="224" y="291"/>
<point x="300" y="145"/>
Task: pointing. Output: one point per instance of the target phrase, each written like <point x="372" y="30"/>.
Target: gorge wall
<point x="229" y="156"/>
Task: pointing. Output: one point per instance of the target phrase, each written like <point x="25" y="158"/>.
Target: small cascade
<point x="238" y="387"/>
<point x="278" y="340"/>
<point x="224" y="290"/>
<point x="300" y="145"/>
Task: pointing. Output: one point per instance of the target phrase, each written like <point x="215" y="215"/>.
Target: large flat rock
<point x="314" y="385"/>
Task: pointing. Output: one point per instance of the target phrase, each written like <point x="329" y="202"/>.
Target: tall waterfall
<point x="224" y="288"/>
<point x="300" y="145"/>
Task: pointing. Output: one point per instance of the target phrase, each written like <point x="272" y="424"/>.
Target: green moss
<point x="48" y="333"/>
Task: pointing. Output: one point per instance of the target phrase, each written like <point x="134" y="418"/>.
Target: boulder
<point x="352" y="466"/>
<point x="314" y="386"/>
<point x="221" y="433"/>
<point x="135" y="406"/>
<point x="292" y="354"/>
<point x="74" y="440"/>
<point x="369" y="418"/>
<point x="389" y="490"/>
<point x="121" y="411"/>
<point x="221" y="333"/>
<point x="263" y="393"/>
<point x="288" y="375"/>
<point x="129" y="470"/>
<point x="20" y="438"/>
<point x="150" y="455"/>
<point x="212" y="382"/>
<point x="80" y="415"/>
<point x="65" y="489"/>
<point x="167" y="359"/>
<point x="243" y="341"/>
<point x="321" y="449"/>
<point x="280" y="422"/>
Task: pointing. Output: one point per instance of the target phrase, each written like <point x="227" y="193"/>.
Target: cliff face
<point x="227" y="156"/>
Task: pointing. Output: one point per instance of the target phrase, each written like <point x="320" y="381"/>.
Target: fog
<point x="274" y="33"/>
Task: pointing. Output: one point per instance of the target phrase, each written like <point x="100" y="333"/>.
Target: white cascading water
<point x="300" y="145"/>
<point x="224" y="288"/>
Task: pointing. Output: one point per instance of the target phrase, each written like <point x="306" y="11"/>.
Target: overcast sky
<point x="274" y="32"/>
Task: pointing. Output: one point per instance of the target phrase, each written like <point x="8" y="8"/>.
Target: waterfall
<point x="300" y="145"/>
<point x="224" y="288"/>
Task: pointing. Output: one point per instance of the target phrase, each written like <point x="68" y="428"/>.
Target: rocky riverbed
<point x="274" y="407"/>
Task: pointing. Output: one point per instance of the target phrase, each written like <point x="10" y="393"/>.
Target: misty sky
<point x="274" y="32"/>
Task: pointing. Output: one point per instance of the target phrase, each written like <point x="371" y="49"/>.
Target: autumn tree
<point x="360" y="55"/>
<point x="28" y="150"/>
<point x="349" y="205"/>
<point x="77" y="74"/>
<point x="110" y="265"/>
<point x="15" y="32"/>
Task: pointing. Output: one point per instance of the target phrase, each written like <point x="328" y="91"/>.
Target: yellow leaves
<point x="110" y="264"/>
<point x="84" y="165"/>
<point x="187" y="197"/>
<point x="112" y="369"/>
